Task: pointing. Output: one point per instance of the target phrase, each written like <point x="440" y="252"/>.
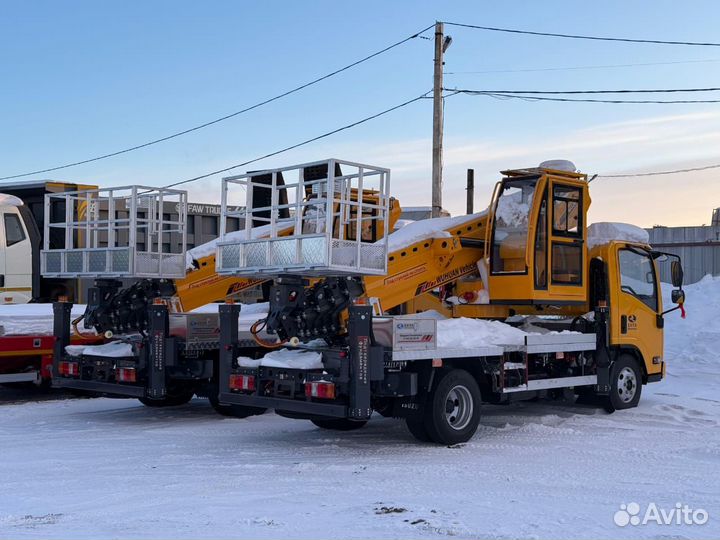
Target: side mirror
<point x="678" y="296"/>
<point x="676" y="272"/>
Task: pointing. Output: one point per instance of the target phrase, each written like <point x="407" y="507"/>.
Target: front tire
<point x="625" y="384"/>
<point x="452" y="412"/>
<point x="417" y="428"/>
<point x="338" y="424"/>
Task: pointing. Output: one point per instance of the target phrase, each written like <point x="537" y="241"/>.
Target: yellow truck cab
<point x="635" y="300"/>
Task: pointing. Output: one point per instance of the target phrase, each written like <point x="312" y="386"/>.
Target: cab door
<point x="567" y="250"/>
<point x="15" y="259"/>
<point x="636" y="304"/>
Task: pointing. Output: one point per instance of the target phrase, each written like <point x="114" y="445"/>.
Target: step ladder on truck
<point x="346" y="342"/>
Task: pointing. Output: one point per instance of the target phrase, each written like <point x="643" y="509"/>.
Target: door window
<point x="637" y="276"/>
<point x="14" y="232"/>
<point x="566" y="211"/>
<point x="510" y="232"/>
<point x="567" y="263"/>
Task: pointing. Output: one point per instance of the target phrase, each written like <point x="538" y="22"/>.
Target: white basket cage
<point x="305" y="218"/>
<point x="127" y="231"/>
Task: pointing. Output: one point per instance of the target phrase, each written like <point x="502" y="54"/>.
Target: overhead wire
<point x="302" y="143"/>
<point x="659" y="173"/>
<point x="222" y="118"/>
<point x="573" y="68"/>
<point x="581" y="36"/>
<point x="535" y="97"/>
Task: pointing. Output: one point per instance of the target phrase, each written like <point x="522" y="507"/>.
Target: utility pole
<point x="470" y="190"/>
<point x="437" y="121"/>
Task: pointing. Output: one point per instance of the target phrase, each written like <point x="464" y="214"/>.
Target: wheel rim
<point x="458" y="407"/>
<point x="626" y="385"/>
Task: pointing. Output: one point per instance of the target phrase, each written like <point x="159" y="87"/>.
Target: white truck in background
<point x="23" y="216"/>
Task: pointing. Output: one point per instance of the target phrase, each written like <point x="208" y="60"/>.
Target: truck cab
<point x="17" y="230"/>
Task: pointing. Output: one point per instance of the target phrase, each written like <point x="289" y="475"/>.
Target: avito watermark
<point x="680" y="514"/>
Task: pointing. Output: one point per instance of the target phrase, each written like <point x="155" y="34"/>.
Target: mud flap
<point x="61" y="328"/>
<point x="602" y="353"/>
<point x="157" y="361"/>
<point x="360" y="326"/>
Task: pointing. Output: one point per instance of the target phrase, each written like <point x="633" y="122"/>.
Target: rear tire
<point x="338" y="424"/>
<point x="417" y="428"/>
<point x="171" y="400"/>
<point x="625" y="384"/>
<point x="452" y="412"/>
<point x="235" y="411"/>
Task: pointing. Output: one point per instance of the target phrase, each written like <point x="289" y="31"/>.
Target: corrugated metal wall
<point x="699" y="248"/>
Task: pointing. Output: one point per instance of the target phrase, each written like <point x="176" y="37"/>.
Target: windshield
<point x="512" y="214"/>
<point x="637" y="276"/>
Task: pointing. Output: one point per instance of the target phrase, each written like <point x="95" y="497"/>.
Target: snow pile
<point x="260" y="308"/>
<point x="113" y="349"/>
<point x="605" y="232"/>
<point x="286" y="358"/>
<point x="400" y="223"/>
<point x="10" y="200"/>
<point x="558" y="165"/>
<point x="693" y="340"/>
<point x="416" y="231"/>
<point x="464" y="332"/>
<point x="33" y="319"/>
<point x="512" y="211"/>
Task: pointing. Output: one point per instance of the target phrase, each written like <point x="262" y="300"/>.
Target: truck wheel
<point x="452" y="412"/>
<point x="171" y="400"/>
<point x="338" y="424"/>
<point x="625" y="384"/>
<point x="235" y="411"/>
<point x="417" y="428"/>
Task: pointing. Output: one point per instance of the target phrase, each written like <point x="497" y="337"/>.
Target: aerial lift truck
<point x="344" y="345"/>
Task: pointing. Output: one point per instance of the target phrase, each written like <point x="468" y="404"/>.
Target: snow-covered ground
<point x="105" y="468"/>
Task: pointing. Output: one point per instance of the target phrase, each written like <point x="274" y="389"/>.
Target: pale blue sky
<point x="82" y="78"/>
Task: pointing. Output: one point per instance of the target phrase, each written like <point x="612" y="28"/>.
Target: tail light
<point x="319" y="389"/>
<point x="69" y="369"/>
<point x="126" y="375"/>
<point x="242" y="382"/>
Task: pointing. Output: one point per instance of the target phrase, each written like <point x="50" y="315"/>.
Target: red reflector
<point x="69" y="369"/>
<point x="322" y="390"/>
<point x="125" y="375"/>
<point x="242" y="382"/>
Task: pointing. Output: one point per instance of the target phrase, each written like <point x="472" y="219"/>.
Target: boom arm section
<point x="424" y="255"/>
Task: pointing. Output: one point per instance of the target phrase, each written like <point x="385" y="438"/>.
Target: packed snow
<point x="513" y="209"/>
<point x="109" y="468"/>
<point x="32" y="319"/>
<point x="463" y="332"/>
<point x="416" y="231"/>
<point x="605" y="232"/>
<point x="112" y="349"/>
<point x="10" y="200"/>
<point x="287" y="358"/>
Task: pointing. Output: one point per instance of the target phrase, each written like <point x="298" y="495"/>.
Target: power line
<point x="222" y="118"/>
<point x="584" y="100"/>
<point x="624" y="91"/>
<point x="579" y="36"/>
<point x="303" y="143"/>
<point x="658" y="173"/>
<point x="572" y="68"/>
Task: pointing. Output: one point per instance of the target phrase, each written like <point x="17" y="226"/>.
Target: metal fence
<point x="698" y="247"/>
